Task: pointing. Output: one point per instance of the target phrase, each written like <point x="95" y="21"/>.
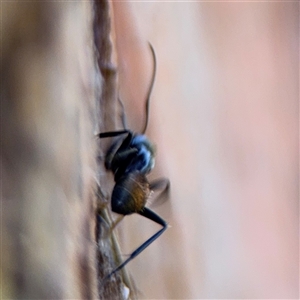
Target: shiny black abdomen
<point x="130" y="193"/>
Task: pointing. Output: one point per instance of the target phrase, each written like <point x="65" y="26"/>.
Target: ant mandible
<point x="131" y="158"/>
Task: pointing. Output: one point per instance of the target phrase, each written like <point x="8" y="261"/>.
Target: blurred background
<point x="224" y="116"/>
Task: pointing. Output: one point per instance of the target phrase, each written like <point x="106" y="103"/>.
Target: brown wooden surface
<point x="48" y="151"/>
<point x="107" y="251"/>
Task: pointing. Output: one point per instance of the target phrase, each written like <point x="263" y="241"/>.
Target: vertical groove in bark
<point x="108" y="252"/>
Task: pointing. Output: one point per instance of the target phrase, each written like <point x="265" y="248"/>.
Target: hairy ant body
<point x="131" y="159"/>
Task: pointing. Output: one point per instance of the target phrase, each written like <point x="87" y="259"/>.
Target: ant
<point x="131" y="159"/>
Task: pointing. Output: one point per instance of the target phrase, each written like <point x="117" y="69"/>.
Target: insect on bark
<point x="131" y="158"/>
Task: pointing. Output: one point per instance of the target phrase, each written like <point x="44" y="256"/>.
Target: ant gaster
<point x="131" y="158"/>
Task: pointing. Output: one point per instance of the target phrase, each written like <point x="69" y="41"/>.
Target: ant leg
<point x="124" y="144"/>
<point x="112" y="133"/>
<point x="119" y="146"/>
<point x="146" y="212"/>
<point x="119" y="163"/>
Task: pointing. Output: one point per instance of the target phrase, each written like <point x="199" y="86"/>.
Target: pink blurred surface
<point x="224" y="117"/>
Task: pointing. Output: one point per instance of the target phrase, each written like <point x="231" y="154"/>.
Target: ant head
<point x="144" y="157"/>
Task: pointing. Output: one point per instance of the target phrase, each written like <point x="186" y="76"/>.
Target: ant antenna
<point x="150" y="88"/>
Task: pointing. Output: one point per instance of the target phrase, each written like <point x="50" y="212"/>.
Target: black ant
<point x="131" y="159"/>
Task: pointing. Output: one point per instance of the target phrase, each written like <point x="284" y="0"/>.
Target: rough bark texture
<point x="108" y="253"/>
